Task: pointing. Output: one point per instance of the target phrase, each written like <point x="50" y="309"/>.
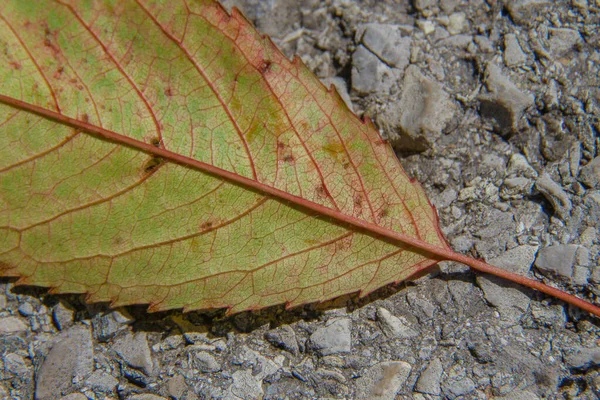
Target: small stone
<point x="430" y="378"/>
<point x="16" y="364"/>
<point x="582" y="358"/>
<point x="426" y="26"/>
<point x="177" y="387"/>
<point x="387" y="42"/>
<point x="513" y="53"/>
<point x="63" y="316"/>
<point x="101" y="381"/>
<point x="516" y="188"/>
<point x="558" y="260"/>
<point x="146" y="396"/>
<point x="284" y="338"/>
<point x="74" y="396"/>
<point x="519" y="395"/>
<point x="205" y="362"/>
<point x="504" y="103"/>
<point x="554" y="193"/>
<point x="562" y="40"/>
<point x="134" y="350"/>
<point x="70" y="359"/>
<point x="394" y="327"/>
<point x="11" y="325"/>
<point x="333" y="338"/>
<point x="246" y="386"/>
<point x="26" y="310"/>
<point x="525" y="11"/>
<point x="383" y="381"/>
<point x="456" y="23"/>
<point x="423" y="112"/>
<point x="518" y="166"/>
<point x="107" y="325"/>
<point x="590" y="174"/>
<point x="457" y="388"/>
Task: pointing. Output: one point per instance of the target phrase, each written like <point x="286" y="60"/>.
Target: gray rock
<point x="454" y="388"/>
<point x="12" y="325"/>
<point x="63" y="316"/>
<point x="246" y="386"/>
<point x="504" y="103"/>
<point x="518" y="166"/>
<point x="177" y="387"/>
<point x="107" y="325"/>
<point x="590" y="174"/>
<point x="387" y="43"/>
<point x="26" y="309"/>
<point x="284" y="338"/>
<point x="101" y="381"/>
<point x="582" y="358"/>
<point x="394" y="327"/>
<point x="70" y="359"/>
<point x="383" y="381"/>
<point x="146" y="396"/>
<point x="520" y="395"/>
<point x="134" y="350"/>
<point x="423" y="112"/>
<point x="513" y="53"/>
<point x="554" y="193"/>
<point x="562" y="40"/>
<point x="16" y="364"/>
<point x="369" y="74"/>
<point x="430" y="378"/>
<point x="525" y="11"/>
<point x="516" y="188"/>
<point x="74" y="396"/>
<point x="205" y="362"/>
<point x="333" y="338"/>
<point x="558" y="260"/>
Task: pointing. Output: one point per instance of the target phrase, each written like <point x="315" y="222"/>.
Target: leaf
<point x="167" y="153"/>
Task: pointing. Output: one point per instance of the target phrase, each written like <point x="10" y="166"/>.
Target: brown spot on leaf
<point x="206" y="225"/>
<point x="15" y="65"/>
<point x="152" y="164"/>
<point x="168" y="92"/>
<point x="383" y="213"/>
<point x="288" y="158"/>
<point x="85" y="118"/>
<point x="265" y="66"/>
<point x="358" y="200"/>
<point x="322" y="191"/>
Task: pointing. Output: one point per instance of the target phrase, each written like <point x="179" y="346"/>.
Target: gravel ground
<point x="493" y="106"/>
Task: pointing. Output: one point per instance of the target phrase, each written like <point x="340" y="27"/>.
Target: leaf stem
<point x="433" y="251"/>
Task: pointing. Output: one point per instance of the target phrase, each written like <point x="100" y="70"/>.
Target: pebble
<point x="430" y="378"/>
<point x="70" y="359"/>
<point x="370" y="74"/>
<point x="383" y="381"/>
<point x="107" y="325"/>
<point x="582" y="358"/>
<point x="101" y="381"/>
<point x="504" y="103"/>
<point x="558" y="260"/>
<point x="394" y="327"/>
<point x="590" y="174"/>
<point x="11" y="325"/>
<point x="245" y="385"/>
<point x="74" y="396"/>
<point x="333" y="338"/>
<point x="423" y="112"/>
<point x="205" y="362"/>
<point x="513" y="53"/>
<point x="555" y="194"/>
<point x="62" y="316"/>
<point x="563" y="40"/>
<point x="134" y="350"/>
<point x="457" y="388"/>
<point x="26" y="310"/>
<point x="146" y="396"/>
<point x="177" y="387"/>
<point x="284" y="338"/>
<point x="387" y="42"/>
<point x="518" y="166"/>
